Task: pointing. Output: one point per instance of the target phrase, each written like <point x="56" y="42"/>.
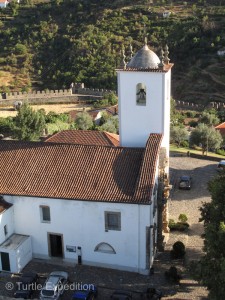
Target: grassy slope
<point x="181" y="150"/>
<point x="81" y="41"/>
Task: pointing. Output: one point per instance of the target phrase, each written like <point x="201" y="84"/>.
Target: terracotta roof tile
<point x="67" y="171"/>
<point x="221" y="126"/>
<point x="113" y="137"/>
<point x="145" y="184"/>
<point x="85" y="137"/>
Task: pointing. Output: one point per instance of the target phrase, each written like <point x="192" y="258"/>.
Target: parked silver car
<point x="54" y="286"/>
<point x="221" y="165"/>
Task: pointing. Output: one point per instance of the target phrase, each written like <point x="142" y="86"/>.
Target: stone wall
<point x="35" y="95"/>
<point x="50" y="100"/>
<point x="183" y="105"/>
<point x="75" y="89"/>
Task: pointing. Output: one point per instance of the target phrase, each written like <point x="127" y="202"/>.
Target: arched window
<point x="105" y="248"/>
<point x="141" y="94"/>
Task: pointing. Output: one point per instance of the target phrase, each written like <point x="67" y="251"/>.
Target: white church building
<point x="92" y="201"/>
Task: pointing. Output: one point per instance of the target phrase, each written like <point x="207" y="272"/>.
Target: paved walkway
<point x="189" y="202"/>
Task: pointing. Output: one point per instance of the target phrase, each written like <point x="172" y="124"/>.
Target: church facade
<point x="87" y="202"/>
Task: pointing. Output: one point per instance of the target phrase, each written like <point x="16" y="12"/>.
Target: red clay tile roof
<point x="4" y="205"/>
<point x="113" y="137"/>
<point x="221" y="126"/>
<point x="85" y="137"/>
<point x="68" y="171"/>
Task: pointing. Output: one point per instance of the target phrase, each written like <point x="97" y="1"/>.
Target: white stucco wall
<point x="6" y="218"/>
<point x="166" y="111"/>
<point x="19" y="250"/>
<point x="82" y="224"/>
<point x="136" y="121"/>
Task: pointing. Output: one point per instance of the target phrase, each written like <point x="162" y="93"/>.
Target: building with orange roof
<point x="93" y="197"/>
<point x="221" y="128"/>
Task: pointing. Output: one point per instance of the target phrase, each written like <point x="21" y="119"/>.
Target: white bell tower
<point x="144" y="86"/>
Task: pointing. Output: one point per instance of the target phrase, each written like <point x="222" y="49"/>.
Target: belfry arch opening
<point x="141" y="94"/>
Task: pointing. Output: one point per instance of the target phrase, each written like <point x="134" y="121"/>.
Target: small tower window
<point x="141" y="94"/>
<point x="5" y="229"/>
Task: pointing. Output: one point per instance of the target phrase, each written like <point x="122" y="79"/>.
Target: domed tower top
<point x="144" y="59"/>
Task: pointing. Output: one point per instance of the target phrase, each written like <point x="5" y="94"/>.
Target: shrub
<point x="184" y="144"/>
<point x="179" y="226"/>
<point x="171" y="222"/>
<point x="20" y="49"/>
<point x="182" y="218"/>
<point x="182" y="225"/>
<point x="51" y="117"/>
<point x="220" y="152"/>
<point x="178" y="250"/>
<point x="193" y="123"/>
<point x="172" y="275"/>
<point x="101" y="103"/>
<point x="112" y="98"/>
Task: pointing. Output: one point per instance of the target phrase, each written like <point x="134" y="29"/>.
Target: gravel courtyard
<point x="182" y="201"/>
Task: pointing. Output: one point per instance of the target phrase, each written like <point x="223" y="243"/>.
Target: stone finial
<point x="131" y="51"/>
<point x="161" y="64"/>
<point x="123" y="62"/>
<point x="145" y="40"/>
<point x="166" y="52"/>
<point x="145" y="36"/>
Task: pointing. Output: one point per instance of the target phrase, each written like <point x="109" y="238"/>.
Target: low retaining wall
<point x="199" y="156"/>
<point x="52" y="100"/>
<point x="193" y="155"/>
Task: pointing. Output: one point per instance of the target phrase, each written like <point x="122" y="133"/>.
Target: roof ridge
<point x="107" y="134"/>
<point x="219" y="125"/>
<point x="144" y="184"/>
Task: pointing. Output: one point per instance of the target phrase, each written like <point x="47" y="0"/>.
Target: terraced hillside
<point x="49" y="44"/>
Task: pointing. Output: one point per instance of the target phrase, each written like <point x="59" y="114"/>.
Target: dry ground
<point x="58" y="108"/>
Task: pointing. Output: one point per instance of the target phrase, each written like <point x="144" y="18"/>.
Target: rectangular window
<point x="5" y="230"/>
<point x="112" y="220"/>
<point x="45" y="214"/>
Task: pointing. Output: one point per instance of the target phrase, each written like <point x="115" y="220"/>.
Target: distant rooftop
<point x="85" y="137"/>
<point x="14" y="241"/>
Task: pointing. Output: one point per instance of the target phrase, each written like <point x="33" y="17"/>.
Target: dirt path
<point x="57" y="108"/>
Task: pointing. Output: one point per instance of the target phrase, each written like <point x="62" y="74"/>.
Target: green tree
<point x="209" y="118"/>
<point x="112" y="98"/>
<point x="207" y="137"/>
<point x="111" y="125"/>
<point x="20" y="49"/>
<point x="178" y="135"/>
<point x="84" y="121"/>
<point x="175" y="116"/>
<point x="14" y="5"/>
<point x="6" y="125"/>
<point x="28" y="124"/>
<point x="211" y="268"/>
<point x="104" y="118"/>
<point x="108" y="126"/>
